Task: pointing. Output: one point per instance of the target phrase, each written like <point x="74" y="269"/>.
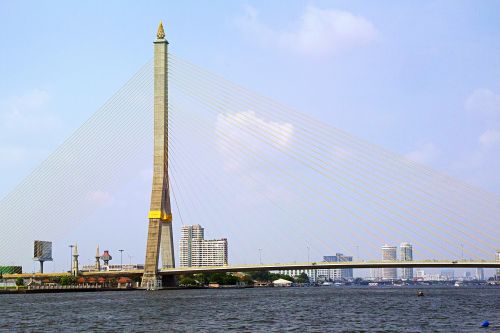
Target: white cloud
<point x="245" y="130"/>
<point x="99" y="197"/>
<point x="11" y="155"/>
<point x="490" y="138"/>
<point x="484" y="102"/>
<point x="341" y="153"/>
<point x="425" y="153"/>
<point x="320" y="32"/>
<point x="27" y="113"/>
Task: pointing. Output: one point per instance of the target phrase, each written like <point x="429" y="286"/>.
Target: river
<point x="315" y="309"/>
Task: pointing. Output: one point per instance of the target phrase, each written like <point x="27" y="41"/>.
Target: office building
<point x="337" y="274"/>
<point x="312" y="274"/>
<point x="324" y="274"/>
<point x="196" y="251"/>
<point x="376" y="274"/>
<point x="448" y="275"/>
<point x="480" y="274"/>
<point x="497" y="258"/>
<point x="389" y="253"/>
<point x="406" y="254"/>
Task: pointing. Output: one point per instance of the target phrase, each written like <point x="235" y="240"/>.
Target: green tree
<point x="261" y="276"/>
<point x="247" y="279"/>
<point x="55" y="279"/>
<point x="230" y="279"/>
<point x="187" y="281"/>
<point x="202" y="278"/>
<point x="217" y="278"/>
<point x="67" y="280"/>
<point x="112" y="282"/>
<point x="19" y="282"/>
<point x="302" y="278"/>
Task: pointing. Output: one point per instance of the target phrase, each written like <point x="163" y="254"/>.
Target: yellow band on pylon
<point x="158" y="214"/>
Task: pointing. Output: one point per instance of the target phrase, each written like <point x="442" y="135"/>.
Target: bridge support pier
<point x="151" y="282"/>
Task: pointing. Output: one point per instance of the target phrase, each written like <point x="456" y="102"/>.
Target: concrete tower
<point x="97" y="259"/>
<point x="497" y="258"/>
<point x="389" y="253"/>
<point x="74" y="266"/>
<point x="160" y="214"/>
<point x="406" y="254"/>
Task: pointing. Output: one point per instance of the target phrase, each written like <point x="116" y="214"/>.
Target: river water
<point x="319" y="309"/>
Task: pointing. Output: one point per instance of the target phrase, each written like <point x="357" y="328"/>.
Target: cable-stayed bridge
<point x="246" y="165"/>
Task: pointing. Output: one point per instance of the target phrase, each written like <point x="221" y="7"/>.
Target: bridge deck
<point x="277" y="266"/>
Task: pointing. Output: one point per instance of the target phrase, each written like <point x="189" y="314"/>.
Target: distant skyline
<point x="420" y="79"/>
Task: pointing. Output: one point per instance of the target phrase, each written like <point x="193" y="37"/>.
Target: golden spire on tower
<point x="161" y="33"/>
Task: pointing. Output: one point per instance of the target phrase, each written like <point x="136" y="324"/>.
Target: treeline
<point x="204" y="279"/>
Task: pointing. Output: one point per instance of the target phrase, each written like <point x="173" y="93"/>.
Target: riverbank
<point x="59" y="290"/>
<point x="55" y="290"/>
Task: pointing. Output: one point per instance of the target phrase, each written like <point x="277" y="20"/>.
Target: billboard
<point x="42" y="251"/>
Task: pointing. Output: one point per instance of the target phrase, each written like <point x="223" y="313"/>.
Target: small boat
<point x="459" y="284"/>
<point x="326" y="284"/>
<point x="373" y="284"/>
<point x="420" y="293"/>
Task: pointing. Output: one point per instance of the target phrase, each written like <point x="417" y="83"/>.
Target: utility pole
<point x="71" y="257"/>
<point x="121" y="260"/>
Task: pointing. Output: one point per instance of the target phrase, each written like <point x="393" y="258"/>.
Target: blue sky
<point x="419" y="78"/>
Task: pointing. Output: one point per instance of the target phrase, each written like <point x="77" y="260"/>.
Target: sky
<point x="418" y="78"/>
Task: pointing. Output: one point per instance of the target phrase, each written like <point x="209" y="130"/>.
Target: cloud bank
<point x="319" y="32"/>
<point x="240" y="137"/>
<point x="426" y="153"/>
<point x="484" y="102"/>
<point x="490" y="138"/>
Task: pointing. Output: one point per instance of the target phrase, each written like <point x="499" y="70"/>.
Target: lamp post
<point x="121" y="260"/>
<point x="71" y="257"/>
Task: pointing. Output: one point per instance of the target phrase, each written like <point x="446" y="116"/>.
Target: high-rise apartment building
<point x="312" y="274"/>
<point x="497" y="258"/>
<point x="196" y="251"/>
<point x="337" y="274"/>
<point x="406" y="254"/>
<point x="389" y="253"/>
<point x="324" y="274"/>
<point x="480" y="274"/>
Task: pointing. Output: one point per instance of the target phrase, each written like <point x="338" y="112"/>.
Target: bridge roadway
<point x="277" y="266"/>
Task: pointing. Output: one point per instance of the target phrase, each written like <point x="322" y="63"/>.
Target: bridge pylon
<point x="160" y="214"/>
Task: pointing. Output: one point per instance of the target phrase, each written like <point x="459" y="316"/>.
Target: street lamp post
<point x="71" y="258"/>
<point x="121" y="260"/>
